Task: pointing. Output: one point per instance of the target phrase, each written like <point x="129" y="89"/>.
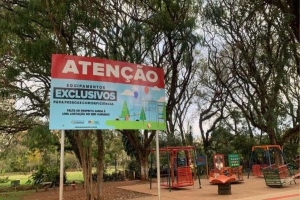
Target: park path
<point x="249" y="189"/>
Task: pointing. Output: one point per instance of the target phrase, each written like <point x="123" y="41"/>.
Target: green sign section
<point x="234" y="160"/>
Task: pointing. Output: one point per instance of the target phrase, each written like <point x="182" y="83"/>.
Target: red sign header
<point x="95" y="69"/>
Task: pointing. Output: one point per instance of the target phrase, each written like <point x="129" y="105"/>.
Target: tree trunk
<point x="83" y="140"/>
<point x="100" y="165"/>
<point x="272" y="137"/>
<point x="142" y="149"/>
<point x="89" y="178"/>
<point x="278" y="157"/>
<point x="71" y="135"/>
<point x="144" y="166"/>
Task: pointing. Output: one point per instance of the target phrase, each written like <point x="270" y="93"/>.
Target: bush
<point x="115" y="176"/>
<point x="47" y="174"/>
<point x="4" y="179"/>
<point x="135" y="166"/>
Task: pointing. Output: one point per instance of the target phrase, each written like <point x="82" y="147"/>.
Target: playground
<point x="249" y="189"/>
<point x="263" y="182"/>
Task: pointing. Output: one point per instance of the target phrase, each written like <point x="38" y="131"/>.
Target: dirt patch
<point x="111" y="191"/>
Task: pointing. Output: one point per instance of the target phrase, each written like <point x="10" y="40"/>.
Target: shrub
<point x="135" y="166"/>
<point x="47" y="174"/>
<point x="4" y="179"/>
<point x="115" y="176"/>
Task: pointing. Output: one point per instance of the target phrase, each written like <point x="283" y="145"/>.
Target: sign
<point x="201" y="160"/>
<point x="219" y="161"/>
<point x="234" y="160"/>
<point x="91" y="93"/>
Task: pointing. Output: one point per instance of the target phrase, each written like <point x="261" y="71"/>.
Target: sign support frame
<point x="157" y="166"/>
<point x="62" y="153"/>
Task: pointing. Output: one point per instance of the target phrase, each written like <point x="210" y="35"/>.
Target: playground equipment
<point x="222" y="174"/>
<point x="264" y="156"/>
<point x="277" y="176"/>
<point x="179" y="169"/>
<point x="297" y="161"/>
<point x="273" y="168"/>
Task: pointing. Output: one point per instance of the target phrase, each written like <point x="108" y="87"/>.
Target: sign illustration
<point x="92" y="93"/>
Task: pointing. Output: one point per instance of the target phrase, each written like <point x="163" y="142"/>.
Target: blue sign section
<point x="81" y="104"/>
<point x="201" y="160"/>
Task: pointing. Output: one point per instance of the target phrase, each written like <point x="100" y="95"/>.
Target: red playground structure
<point x="180" y="165"/>
<point x="271" y="166"/>
<point x="267" y="158"/>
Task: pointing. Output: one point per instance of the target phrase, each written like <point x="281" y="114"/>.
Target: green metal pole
<point x="198" y="170"/>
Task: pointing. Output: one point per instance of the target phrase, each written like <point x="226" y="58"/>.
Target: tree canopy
<point x="236" y="62"/>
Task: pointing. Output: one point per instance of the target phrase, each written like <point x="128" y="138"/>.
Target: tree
<point x="253" y="64"/>
<point x="84" y="144"/>
<point x="291" y="9"/>
<point x="139" y="146"/>
<point x="168" y="41"/>
<point x="41" y="139"/>
<point x="74" y="27"/>
<point x="100" y="166"/>
<point x="211" y="100"/>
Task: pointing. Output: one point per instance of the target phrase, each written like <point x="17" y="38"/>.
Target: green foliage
<point x="135" y="166"/>
<point x="11" y="73"/>
<point x="31" y="31"/>
<point x="242" y="145"/>
<point x="13" y="195"/>
<point x="71" y="162"/>
<point x="24" y="179"/>
<point x="41" y="138"/>
<point x="263" y="64"/>
<point x="170" y="140"/>
<point x="129" y="149"/>
<point x="113" y="147"/>
<point x="74" y="176"/>
<point x="291" y="152"/>
<point x="47" y="174"/>
<point x="115" y="176"/>
<point x="4" y="179"/>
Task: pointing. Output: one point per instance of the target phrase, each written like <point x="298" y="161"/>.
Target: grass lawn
<point x="18" y="195"/>
<point x="74" y="176"/>
<point x="23" y="179"/>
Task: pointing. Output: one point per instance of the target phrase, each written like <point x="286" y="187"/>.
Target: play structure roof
<point x="176" y="148"/>
<point x="266" y="147"/>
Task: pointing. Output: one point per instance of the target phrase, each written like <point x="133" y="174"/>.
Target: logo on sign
<point x="77" y="122"/>
<point x="93" y="122"/>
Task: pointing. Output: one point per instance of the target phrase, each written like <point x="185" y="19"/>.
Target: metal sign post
<point x="62" y="153"/>
<point x="157" y="166"/>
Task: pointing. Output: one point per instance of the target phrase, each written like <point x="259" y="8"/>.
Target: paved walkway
<point x="249" y="189"/>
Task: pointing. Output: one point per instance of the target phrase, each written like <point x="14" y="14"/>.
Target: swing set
<point x="262" y="157"/>
<point x="270" y="165"/>
<point x="177" y="170"/>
